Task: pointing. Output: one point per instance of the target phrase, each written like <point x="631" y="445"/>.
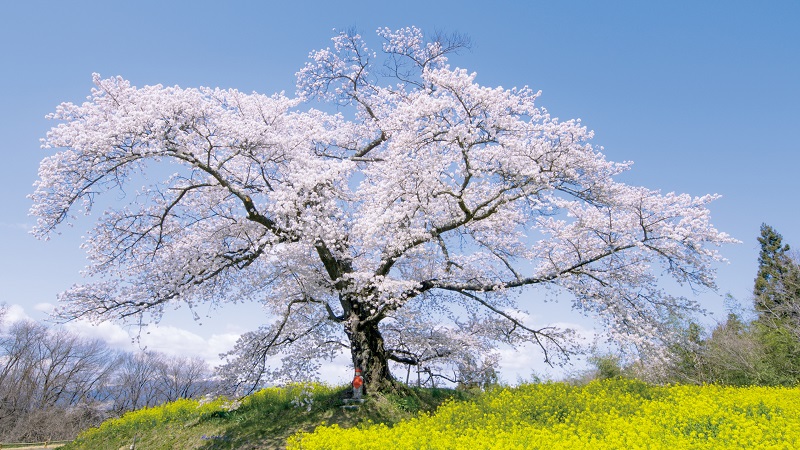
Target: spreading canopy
<point x="398" y="227"/>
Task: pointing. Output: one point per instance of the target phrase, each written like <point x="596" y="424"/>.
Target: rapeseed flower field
<point x="610" y="414"/>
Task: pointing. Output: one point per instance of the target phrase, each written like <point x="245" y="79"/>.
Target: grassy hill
<point x="610" y="414"/>
<point x="263" y="420"/>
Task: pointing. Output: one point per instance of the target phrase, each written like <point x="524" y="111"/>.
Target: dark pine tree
<point x="777" y="302"/>
<point x="776" y="283"/>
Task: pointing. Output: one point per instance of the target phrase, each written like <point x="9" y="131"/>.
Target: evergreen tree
<point x="777" y="302"/>
<point x="777" y="284"/>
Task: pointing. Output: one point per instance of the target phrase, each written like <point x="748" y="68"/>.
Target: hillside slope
<point x="263" y="420"/>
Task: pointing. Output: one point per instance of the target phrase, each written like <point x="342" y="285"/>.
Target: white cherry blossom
<point x="402" y="228"/>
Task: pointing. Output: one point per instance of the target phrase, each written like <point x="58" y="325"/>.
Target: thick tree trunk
<point x="369" y="354"/>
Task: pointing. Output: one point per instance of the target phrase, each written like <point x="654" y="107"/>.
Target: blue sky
<point x="704" y="97"/>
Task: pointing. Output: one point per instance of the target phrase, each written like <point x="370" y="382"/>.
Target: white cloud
<point x="525" y="360"/>
<point x="523" y="316"/>
<point x="16" y="226"/>
<point x="339" y="371"/>
<point x="220" y="343"/>
<point x="14" y="313"/>
<point x="173" y="340"/>
<point x="169" y="340"/>
<point x="113" y="335"/>
<point x="181" y="342"/>
<point x="45" y="307"/>
<point x="583" y="335"/>
<point x="515" y="364"/>
<point x="522" y="363"/>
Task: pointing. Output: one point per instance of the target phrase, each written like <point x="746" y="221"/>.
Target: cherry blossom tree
<point x="404" y="225"/>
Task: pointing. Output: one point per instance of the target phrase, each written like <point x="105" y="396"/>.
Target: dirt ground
<point x="49" y="447"/>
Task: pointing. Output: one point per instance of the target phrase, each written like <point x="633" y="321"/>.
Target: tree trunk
<point x="369" y="354"/>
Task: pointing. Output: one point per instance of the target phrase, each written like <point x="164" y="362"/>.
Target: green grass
<point x="263" y="420"/>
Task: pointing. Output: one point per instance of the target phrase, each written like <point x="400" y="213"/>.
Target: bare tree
<point x="54" y="383"/>
<point x="18" y="383"/>
<point x="51" y="381"/>
<point x="183" y="377"/>
<point x="136" y="381"/>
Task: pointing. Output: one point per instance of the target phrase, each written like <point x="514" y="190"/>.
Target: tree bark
<point x="369" y="354"/>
